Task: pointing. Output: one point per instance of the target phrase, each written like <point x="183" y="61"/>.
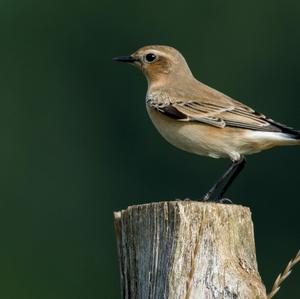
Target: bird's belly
<point x="192" y="137"/>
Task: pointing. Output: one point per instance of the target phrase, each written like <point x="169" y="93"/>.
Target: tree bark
<point x="187" y="250"/>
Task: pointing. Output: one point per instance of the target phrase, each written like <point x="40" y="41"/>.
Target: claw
<point x="185" y="199"/>
<point x="225" y="201"/>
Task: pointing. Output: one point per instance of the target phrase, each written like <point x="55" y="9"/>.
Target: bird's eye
<point x="150" y="57"/>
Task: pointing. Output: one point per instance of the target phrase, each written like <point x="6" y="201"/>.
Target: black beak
<point x="125" y="59"/>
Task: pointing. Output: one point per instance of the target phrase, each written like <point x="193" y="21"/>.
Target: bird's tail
<point x="288" y="134"/>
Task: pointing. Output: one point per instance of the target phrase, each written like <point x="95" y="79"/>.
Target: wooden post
<point x="187" y="250"/>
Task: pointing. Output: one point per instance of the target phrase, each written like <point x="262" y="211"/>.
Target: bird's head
<point x="160" y="64"/>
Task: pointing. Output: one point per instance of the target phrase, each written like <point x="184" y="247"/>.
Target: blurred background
<point x="77" y="144"/>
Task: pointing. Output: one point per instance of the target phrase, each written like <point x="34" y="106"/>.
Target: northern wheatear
<point x="199" y="119"/>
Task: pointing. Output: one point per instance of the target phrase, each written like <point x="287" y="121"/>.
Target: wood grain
<point x="187" y="250"/>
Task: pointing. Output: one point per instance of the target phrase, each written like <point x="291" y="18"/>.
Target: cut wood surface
<point x="187" y="249"/>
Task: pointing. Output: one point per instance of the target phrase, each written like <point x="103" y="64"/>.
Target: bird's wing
<point x="221" y="115"/>
<point x="225" y="113"/>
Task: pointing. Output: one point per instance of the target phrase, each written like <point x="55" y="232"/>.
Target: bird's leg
<point x="240" y="164"/>
<point x="231" y="172"/>
<point x="227" y="173"/>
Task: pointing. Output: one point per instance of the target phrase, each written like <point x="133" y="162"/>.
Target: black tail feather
<point x="285" y="129"/>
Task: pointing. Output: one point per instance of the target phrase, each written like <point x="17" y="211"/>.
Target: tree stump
<point x="187" y="250"/>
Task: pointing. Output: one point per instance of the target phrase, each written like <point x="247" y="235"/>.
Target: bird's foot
<point x="225" y="201"/>
<point x="207" y="197"/>
<point x="185" y="199"/>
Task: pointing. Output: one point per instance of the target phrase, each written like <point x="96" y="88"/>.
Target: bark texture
<point x="187" y="250"/>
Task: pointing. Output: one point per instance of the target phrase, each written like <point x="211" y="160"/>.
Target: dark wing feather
<point x="172" y="112"/>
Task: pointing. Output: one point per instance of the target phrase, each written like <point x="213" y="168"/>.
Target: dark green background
<point x="77" y="144"/>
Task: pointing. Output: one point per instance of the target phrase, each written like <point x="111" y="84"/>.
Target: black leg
<point x="240" y="166"/>
<point x="231" y="172"/>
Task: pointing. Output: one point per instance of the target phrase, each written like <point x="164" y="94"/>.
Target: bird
<point x="199" y="119"/>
